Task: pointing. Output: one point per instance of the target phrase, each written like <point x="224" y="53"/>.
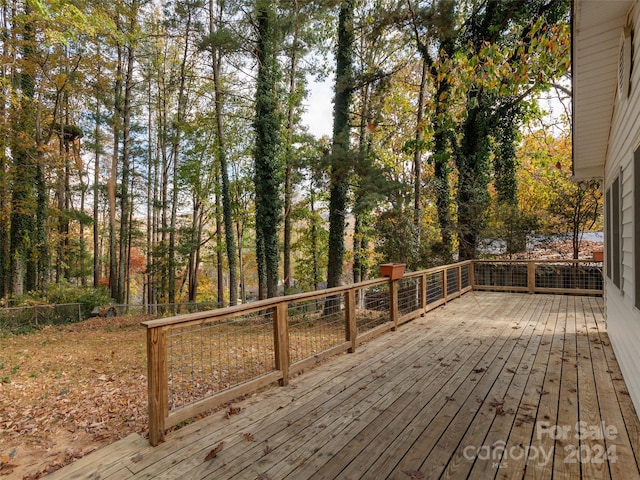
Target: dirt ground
<point x="66" y="391"/>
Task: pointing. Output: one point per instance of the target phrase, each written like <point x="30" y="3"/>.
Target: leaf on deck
<point x="233" y="411"/>
<point x="413" y="473"/>
<point x="137" y="458"/>
<point x="213" y="453"/>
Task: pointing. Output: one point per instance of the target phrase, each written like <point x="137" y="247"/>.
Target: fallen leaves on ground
<point x="7" y="465"/>
<point x="68" y="390"/>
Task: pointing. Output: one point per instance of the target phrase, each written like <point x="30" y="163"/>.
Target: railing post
<point x="351" y="327"/>
<point x="460" y="279"/>
<point x="444" y="284"/>
<point x="158" y="389"/>
<point x="281" y="339"/>
<point x="531" y="276"/>
<point x="423" y="293"/>
<point x="393" y="303"/>
<point x="472" y="274"/>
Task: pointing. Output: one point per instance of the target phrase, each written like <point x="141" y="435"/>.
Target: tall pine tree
<point x="268" y="168"/>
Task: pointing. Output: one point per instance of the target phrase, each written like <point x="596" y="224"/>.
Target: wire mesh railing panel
<point x="409" y="295"/>
<point x="452" y="280"/>
<point x="569" y="276"/>
<point x="496" y="274"/>
<point x="207" y="358"/>
<point x="465" y="274"/>
<point x="372" y="307"/>
<point x="435" y="290"/>
<point x="315" y="326"/>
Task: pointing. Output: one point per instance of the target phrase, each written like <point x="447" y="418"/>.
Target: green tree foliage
<point x="176" y="129"/>
<point x="508" y="52"/>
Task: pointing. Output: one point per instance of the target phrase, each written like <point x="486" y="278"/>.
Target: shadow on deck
<point x="493" y="385"/>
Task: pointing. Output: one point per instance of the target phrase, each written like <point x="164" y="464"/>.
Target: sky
<point x="319" y="108"/>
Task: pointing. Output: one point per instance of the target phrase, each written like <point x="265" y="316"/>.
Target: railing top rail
<point x="258" y="305"/>
<point x="440" y="268"/>
<point x="208" y="315"/>
<point x="525" y="260"/>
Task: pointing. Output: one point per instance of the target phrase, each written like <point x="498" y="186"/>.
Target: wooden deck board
<point x="605" y="370"/>
<point x="428" y="405"/>
<point x="488" y="385"/>
<point x="489" y="372"/>
<point x="563" y="465"/>
<point x="522" y="430"/>
<point x="501" y="413"/>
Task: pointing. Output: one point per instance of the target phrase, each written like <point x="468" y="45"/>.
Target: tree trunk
<point x="113" y="175"/>
<point x="267" y="162"/>
<point x="96" y="179"/>
<point x="194" y="253"/>
<point x="442" y="143"/>
<point x="289" y="149"/>
<point x="360" y="208"/>
<point x="147" y="295"/>
<point x="222" y="159"/>
<point x="314" y="243"/>
<point x="243" y="288"/>
<point x="341" y="148"/>
<point x="21" y="236"/>
<point x="162" y="271"/>
<point x="417" y="156"/>
<point x="473" y="178"/>
<point x="125" y="204"/>
<point x="175" y="153"/>
<point x="5" y="72"/>
<point x="219" y="256"/>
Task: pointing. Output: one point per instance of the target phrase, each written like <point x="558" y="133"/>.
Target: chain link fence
<point x="22" y="319"/>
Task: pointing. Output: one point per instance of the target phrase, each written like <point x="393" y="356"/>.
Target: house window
<point x="615" y="233"/>
<point x="636" y="223"/>
<point x="608" y="233"/>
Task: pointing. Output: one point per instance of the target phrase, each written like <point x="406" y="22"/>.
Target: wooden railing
<point x="578" y="277"/>
<point x="201" y="360"/>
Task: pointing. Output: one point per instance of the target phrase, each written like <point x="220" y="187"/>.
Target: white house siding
<point x="623" y="319"/>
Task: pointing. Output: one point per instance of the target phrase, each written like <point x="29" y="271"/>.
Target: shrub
<point x="89" y="297"/>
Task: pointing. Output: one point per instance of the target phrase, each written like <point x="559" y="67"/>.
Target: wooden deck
<point x="492" y="385"/>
